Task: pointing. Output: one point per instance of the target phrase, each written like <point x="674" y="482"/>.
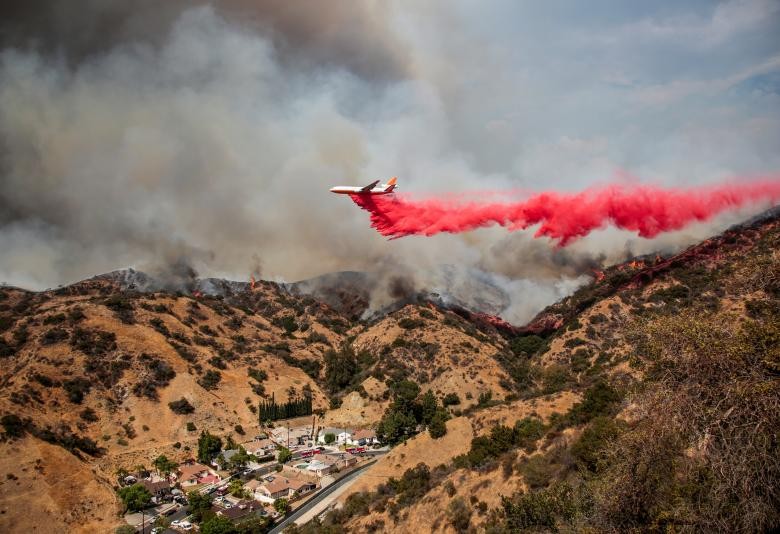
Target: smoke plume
<point x="192" y="136"/>
<point x="648" y="211"/>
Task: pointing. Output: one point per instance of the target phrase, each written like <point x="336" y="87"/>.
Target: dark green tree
<point x="218" y="524"/>
<point x="284" y="455"/>
<point x="281" y="506"/>
<point x="135" y="497"/>
<point x="200" y="505"/>
<point x="209" y="446"/>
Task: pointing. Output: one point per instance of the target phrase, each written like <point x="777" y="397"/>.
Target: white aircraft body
<point x="374" y="188"/>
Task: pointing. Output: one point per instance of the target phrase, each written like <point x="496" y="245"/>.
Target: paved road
<point x="323" y="494"/>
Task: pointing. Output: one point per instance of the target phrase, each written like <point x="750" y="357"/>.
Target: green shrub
<point x="459" y="514"/>
<point x="599" y="399"/>
<point x="527" y="431"/>
<point x="599" y="433"/>
<point x="526" y="345"/>
<point x="451" y="399"/>
<point x="535" y="511"/>
<point x="555" y="378"/>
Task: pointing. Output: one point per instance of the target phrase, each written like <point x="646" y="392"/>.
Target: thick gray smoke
<point x="159" y="135"/>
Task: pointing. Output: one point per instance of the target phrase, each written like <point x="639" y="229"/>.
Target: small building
<point x="363" y="437"/>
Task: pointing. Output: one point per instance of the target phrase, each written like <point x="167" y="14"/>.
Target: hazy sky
<point x="149" y="133"/>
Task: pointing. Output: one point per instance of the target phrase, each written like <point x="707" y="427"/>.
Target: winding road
<point x="321" y="496"/>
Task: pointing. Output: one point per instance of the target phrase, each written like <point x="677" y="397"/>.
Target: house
<point x="158" y="488"/>
<point x="239" y="510"/>
<point x="251" y="488"/>
<point x="289" y="437"/>
<point x="342" y="435"/>
<point x="339" y="460"/>
<point x="260" y="447"/>
<point x="194" y="473"/>
<point x="322" y="467"/>
<point x="276" y="487"/>
<point x="363" y="437"/>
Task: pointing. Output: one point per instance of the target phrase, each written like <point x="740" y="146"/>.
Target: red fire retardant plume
<point x="565" y="217"/>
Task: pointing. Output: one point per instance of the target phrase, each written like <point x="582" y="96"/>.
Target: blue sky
<point x="674" y="91"/>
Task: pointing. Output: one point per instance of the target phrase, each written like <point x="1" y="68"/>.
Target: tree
<point x="438" y="427"/>
<point x="163" y="465"/>
<point x="451" y="399"/>
<point x="200" y="505"/>
<point x="341" y="368"/>
<point x="240" y="459"/>
<point x="330" y="437"/>
<point x="429" y="404"/>
<point x="209" y="447"/>
<point x="459" y="514"/>
<point x="284" y="455"/>
<point x="236" y="488"/>
<point x="218" y="524"/>
<point x="135" y="497"/>
<point x="281" y="505"/>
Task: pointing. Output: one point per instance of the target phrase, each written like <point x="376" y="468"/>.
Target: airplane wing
<point x="369" y="187"/>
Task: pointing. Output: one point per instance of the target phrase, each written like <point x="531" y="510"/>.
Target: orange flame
<point x="598" y="274"/>
<point x="197" y="294"/>
<point x="252" y="282"/>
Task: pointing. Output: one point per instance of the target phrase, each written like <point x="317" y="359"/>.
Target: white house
<point x="342" y="435"/>
<point x="363" y="438"/>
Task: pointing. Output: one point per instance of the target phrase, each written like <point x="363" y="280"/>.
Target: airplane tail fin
<point x="390" y="184"/>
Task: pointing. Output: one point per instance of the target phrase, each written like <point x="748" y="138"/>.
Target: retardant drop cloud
<point x="646" y="210"/>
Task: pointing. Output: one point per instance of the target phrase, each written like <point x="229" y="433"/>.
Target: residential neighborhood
<point x="254" y="482"/>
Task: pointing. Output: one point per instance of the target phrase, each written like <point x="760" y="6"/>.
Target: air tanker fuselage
<point x="374" y="188"/>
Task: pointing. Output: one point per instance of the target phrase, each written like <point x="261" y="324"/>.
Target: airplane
<point x="374" y="188"/>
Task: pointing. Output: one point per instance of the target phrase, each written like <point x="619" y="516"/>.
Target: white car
<point x="186" y="525"/>
<point x="157" y="530"/>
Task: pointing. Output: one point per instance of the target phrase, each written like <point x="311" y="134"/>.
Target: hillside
<point x="644" y="400"/>
<point x="92" y="368"/>
<point x="648" y="401"/>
